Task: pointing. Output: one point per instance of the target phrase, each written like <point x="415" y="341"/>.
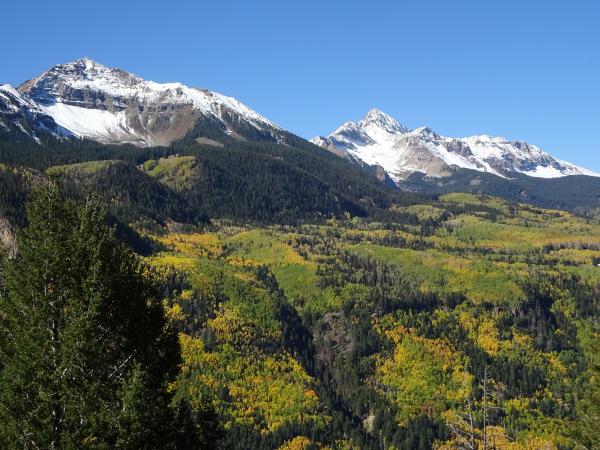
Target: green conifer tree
<point x="86" y="355"/>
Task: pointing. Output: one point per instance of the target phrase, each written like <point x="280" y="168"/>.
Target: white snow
<point x="19" y="104"/>
<point x="400" y="151"/>
<point x="9" y="88"/>
<point x="544" y="172"/>
<point x="15" y="95"/>
<point x="91" y="123"/>
<point x="553" y="172"/>
<point x="87" y="74"/>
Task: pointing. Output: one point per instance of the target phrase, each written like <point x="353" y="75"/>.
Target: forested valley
<point x="261" y="296"/>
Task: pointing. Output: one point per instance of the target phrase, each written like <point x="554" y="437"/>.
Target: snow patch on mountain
<point x="20" y="114"/>
<point x="92" y="123"/>
<point x="13" y="101"/>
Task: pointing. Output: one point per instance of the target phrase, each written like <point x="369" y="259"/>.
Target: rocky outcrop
<point x="7" y="237"/>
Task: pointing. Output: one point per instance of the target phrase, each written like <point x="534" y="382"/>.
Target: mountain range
<point x="86" y="100"/>
<point x="379" y="139"/>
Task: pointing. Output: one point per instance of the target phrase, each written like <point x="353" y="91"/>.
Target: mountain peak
<point x="379" y="139"/>
<point x="382" y="120"/>
<point x="425" y="133"/>
<point x="87" y="61"/>
<point x="84" y="67"/>
<point x="114" y="106"/>
<point x="375" y="114"/>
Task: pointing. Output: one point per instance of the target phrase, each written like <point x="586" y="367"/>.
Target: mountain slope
<point x="378" y="139"/>
<point x="572" y="193"/>
<point x="131" y="195"/>
<point x="266" y="183"/>
<point x="21" y="119"/>
<point x="244" y="181"/>
<point x="111" y="106"/>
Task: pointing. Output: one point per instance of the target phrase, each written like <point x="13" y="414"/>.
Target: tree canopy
<point x="86" y="354"/>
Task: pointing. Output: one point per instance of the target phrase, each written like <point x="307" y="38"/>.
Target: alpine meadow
<point x="180" y="272"/>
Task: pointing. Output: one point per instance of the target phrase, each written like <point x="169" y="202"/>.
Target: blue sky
<point x="525" y="69"/>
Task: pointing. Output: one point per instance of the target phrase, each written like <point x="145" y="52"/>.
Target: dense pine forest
<point x="265" y="296"/>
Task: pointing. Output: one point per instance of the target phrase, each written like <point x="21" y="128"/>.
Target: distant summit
<point x="380" y="140"/>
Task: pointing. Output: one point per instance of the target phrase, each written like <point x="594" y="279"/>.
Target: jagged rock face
<point x="80" y="84"/>
<point x="7" y="237"/>
<point x="458" y="147"/>
<point x="22" y="119"/>
<point x="514" y="156"/>
<point x="113" y="106"/>
<point x="380" y="140"/>
<point x="333" y="337"/>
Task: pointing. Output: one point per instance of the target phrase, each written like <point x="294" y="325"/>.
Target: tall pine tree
<point x="86" y="355"/>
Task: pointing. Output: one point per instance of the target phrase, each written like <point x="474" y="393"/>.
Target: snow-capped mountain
<point x="23" y="118"/>
<point x="89" y="100"/>
<point x="380" y="140"/>
<point x="113" y="106"/>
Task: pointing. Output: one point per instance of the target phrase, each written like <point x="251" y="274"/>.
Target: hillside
<point x="132" y="196"/>
<point x="359" y="334"/>
<point x="577" y="193"/>
<point x="242" y="181"/>
<point x="269" y="183"/>
<point x="370" y="315"/>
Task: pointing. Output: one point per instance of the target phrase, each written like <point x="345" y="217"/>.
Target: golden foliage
<point x="421" y="376"/>
<point x="192" y="244"/>
<point x="497" y="437"/>
<point x="265" y="391"/>
<point x="297" y="443"/>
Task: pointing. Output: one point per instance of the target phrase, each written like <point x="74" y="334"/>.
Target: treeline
<point x="55" y="152"/>
<point x="130" y="195"/>
<point x="247" y="181"/>
<point x="576" y="193"/>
